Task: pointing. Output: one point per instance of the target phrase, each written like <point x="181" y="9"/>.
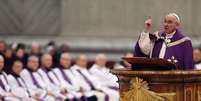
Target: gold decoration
<point x="178" y="42"/>
<point x="168" y="96"/>
<point x="199" y="95"/>
<point x="139" y="91"/>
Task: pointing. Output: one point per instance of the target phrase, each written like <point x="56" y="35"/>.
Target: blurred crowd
<point x="21" y="51"/>
<point x="48" y="74"/>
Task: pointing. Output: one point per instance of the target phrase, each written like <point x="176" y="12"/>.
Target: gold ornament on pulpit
<point x="139" y="91"/>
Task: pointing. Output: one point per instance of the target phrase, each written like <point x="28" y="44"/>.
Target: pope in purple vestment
<point x="169" y="44"/>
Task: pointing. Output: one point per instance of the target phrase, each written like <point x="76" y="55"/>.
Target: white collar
<point x="104" y="68"/>
<point x="168" y="36"/>
<point x="98" y="66"/>
<point x="77" y="67"/>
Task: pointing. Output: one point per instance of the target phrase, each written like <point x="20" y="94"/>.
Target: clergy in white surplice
<point x="5" y="89"/>
<point x="102" y="73"/>
<point x="197" y="58"/>
<point x="68" y="80"/>
<point x="52" y="83"/>
<point x="89" y="82"/>
<point x="17" y="84"/>
<point x="34" y="82"/>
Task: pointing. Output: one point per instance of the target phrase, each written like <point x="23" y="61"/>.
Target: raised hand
<point x="147" y="25"/>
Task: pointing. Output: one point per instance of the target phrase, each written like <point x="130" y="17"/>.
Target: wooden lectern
<point x="157" y="85"/>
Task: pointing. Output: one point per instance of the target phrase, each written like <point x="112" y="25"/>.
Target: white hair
<point x="100" y="56"/>
<point x="46" y="55"/>
<point x="33" y="58"/>
<point x="65" y="55"/>
<point x="35" y="44"/>
<point x="175" y="15"/>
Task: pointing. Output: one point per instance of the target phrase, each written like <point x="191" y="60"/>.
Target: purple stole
<point x="91" y="85"/>
<point x="69" y="81"/>
<point x="5" y="78"/>
<point x="18" y="81"/>
<point x="46" y="72"/>
<point x="87" y="80"/>
<point x="17" y="77"/>
<point x="34" y="80"/>
<point x="114" y="88"/>
<point x="65" y="76"/>
<point x="1" y="82"/>
<point x="2" y="85"/>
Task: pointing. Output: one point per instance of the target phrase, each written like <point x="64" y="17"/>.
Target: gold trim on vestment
<point x="178" y="42"/>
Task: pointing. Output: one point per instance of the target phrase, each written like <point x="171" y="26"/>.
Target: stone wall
<point x="116" y="24"/>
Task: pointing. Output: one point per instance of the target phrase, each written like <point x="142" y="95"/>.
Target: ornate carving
<point x="168" y="96"/>
<point x="199" y="95"/>
<point x="139" y="91"/>
<point x="188" y="96"/>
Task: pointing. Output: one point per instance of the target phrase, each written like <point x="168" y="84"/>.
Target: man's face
<point x="65" y="61"/>
<point x="1" y="64"/>
<point x="196" y="55"/>
<point x="8" y="53"/>
<point x="101" y="61"/>
<point x="17" y="67"/>
<point x="170" y="24"/>
<point x="2" y="47"/>
<point x="47" y="61"/>
<point x="35" y="49"/>
<point x="82" y="61"/>
<point x="33" y="64"/>
<point x="20" y="53"/>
